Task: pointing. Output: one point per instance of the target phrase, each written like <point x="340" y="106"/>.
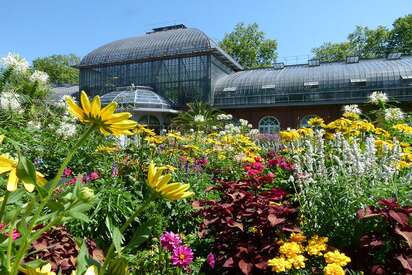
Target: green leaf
<point x="26" y="171"/>
<point x="118" y="266"/>
<point x="78" y="215"/>
<point x="22" y="228"/>
<point x="141" y="235"/>
<point x="118" y="239"/>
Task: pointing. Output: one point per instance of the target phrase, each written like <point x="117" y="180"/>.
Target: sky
<point x="36" y="28"/>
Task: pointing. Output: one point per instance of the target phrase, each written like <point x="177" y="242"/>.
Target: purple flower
<point x="211" y="260"/>
<point x="182" y="256"/>
<point x="170" y="241"/>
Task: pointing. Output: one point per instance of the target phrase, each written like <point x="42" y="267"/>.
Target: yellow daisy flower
<point x="108" y="122"/>
<point x="7" y="164"/>
<point x="44" y="270"/>
<point x="160" y="184"/>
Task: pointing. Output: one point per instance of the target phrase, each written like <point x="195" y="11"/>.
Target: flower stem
<point x="25" y="243"/>
<point x="3" y="205"/>
<point x="139" y="210"/>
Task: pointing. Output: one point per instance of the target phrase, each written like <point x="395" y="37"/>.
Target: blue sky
<point x="44" y="27"/>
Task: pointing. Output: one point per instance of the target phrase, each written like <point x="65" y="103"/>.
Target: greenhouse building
<point x="157" y="74"/>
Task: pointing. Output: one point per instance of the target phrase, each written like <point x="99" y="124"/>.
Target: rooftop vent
<point x="394" y="56"/>
<point x="168" y="28"/>
<point x="314" y="62"/>
<point x="229" y="89"/>
<point x="269" y="86"/>
<point x="352" y="59"/>
<point x="311" y="84"/>
<point x="278" y="66"/>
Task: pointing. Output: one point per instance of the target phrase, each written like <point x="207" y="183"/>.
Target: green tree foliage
<point x="370" y="43"/>
<point x="248" y="45"/>
<point x="401" y="35"/>
<point x="58" y="67"/>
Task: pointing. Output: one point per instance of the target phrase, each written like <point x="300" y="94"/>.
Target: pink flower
<point x="170" y="241"/>
<point x="93" y="176"/>
<point x="16" y="235"/>
<point x="211" y="260"/>
<point x="67" y="172"/>
<point x="182" y="256"/>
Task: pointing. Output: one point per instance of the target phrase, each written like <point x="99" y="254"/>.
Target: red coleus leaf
<point x="275" y="220"/>
<point x="366" y="213"/>
<point x="406" y="262"/>
<point x="262" y="265"/>
<point x="400" y="217"/>
<point x="228" y="263"/>
<point x="389" y="203"/>
<point x="407" y="235"/>
<point x="245" y="267"/>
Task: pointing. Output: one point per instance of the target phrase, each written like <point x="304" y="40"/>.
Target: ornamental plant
<point x="244" y="222"/>
<point x="26" y="216"/>
<point x="387" y="248"/>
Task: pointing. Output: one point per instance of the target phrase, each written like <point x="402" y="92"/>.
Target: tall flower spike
<point x="9" y="165"/>
<point x="160" y="184"/>
<point x="108" y="122"/>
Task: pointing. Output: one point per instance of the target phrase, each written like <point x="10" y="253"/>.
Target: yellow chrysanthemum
<point x="333" y="269"/>
<point x="297" y="237"/>
<point x="403" y="128"/>
<point x="279" y="264"/>
<point x="336" y="257"/>
<point x="305" y="132"/>
<point x="316" y="245"/>
<point x="289" y="135"/>
<point x="108" y="122"/>
<point x="160" y="184"/>
<point x="351" y="115"/>
<point x="8" y="164"/>
<point x="290" y="249"/>
<point x="297" y="261"/>
<point x="44" y="270"/>
<point x="316" y="121"/>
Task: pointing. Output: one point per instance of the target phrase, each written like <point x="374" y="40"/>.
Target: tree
<point x="248" y="46"/>
<point x="401" y="35"/>
<point x="329" y="51"/>
<point x="59" y="68"/>
<point x="363" y="42"/>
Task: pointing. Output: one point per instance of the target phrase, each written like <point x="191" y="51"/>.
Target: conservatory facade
<point x="177" y="65"/>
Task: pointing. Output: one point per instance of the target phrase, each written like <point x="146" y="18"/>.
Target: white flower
<point x="250" y="126"/>
<point x="199" y="118"/>
<point x="10" y="101"/>
<point x="393" y="114"/>
<point x="354" y="108"/>
<point x="60" y="104"/>
<point x="229" y="116"/>
<point x="214" y="127"/>
<point x="254" y="132"/>
<point x="39" y="76"/>
<point x="16" y="62"/>
<point x="34" y="125"/>
<point x="378" y="97"/>
<point x="66" y="130"/>
<point x="243" y="122"/>
<point x="192" y="130"/>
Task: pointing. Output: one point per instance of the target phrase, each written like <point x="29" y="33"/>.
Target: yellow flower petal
<point x="12" y="182"/>
<point x="95" y="106"/>
<point x="84" y="100"/>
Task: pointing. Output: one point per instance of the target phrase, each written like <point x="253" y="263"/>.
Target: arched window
<point x="269" y="125"/>
<point x="151" y="122"/>
<point x="304" y="121"/>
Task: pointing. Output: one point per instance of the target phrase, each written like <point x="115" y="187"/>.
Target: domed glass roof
<point x="162" y="42"/>
<point x="138" y="98"/>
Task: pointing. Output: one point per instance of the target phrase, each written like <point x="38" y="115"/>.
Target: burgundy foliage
<point x="244" y="224"/>
<point x="397" y="240"/>
<point x="59" y="248"/>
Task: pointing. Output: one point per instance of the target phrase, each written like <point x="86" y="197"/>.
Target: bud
<point x="86" y="194"/>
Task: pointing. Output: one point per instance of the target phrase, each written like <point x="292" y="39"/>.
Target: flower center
<point x="182" y="257"/>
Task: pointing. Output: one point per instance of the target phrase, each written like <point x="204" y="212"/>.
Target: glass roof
<point x="239" y="87"/>
<point x="160" y="43"/>
<point x="137" y="98"/>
